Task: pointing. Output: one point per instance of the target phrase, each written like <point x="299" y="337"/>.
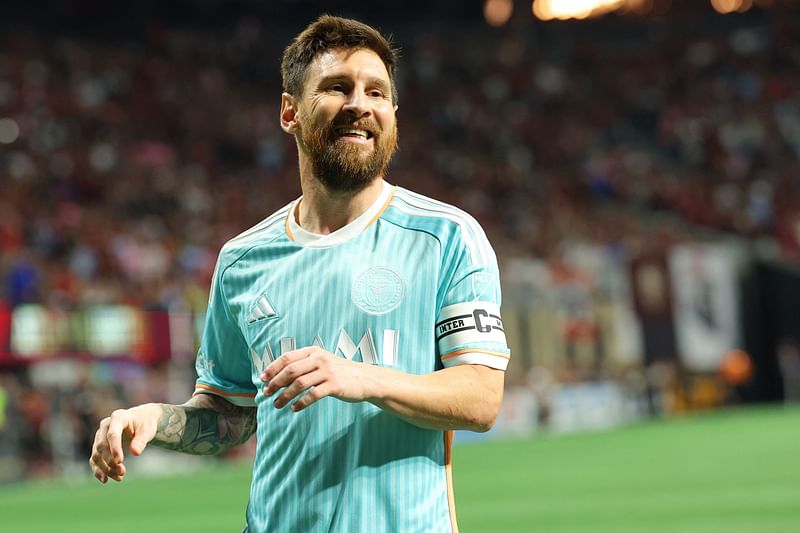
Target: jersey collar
<point x="343" y="234"/>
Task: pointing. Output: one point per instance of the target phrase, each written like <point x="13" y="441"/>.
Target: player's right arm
<point x="205" y="425"/>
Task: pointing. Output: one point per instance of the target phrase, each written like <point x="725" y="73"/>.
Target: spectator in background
<point x="121" y="150"/>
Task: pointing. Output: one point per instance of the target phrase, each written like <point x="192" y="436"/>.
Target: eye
<point x="335" y="88"/>
<point x="375" y="93"/>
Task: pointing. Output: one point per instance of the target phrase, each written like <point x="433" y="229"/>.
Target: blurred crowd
<point x="131" y="163"/>
<point x="124" y="166"/>
<point x="49" y="415"/>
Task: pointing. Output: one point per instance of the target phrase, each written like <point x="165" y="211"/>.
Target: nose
<point x="357" y="104"/>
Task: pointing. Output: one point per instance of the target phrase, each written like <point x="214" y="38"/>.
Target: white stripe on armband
<point x="469" y="323"/>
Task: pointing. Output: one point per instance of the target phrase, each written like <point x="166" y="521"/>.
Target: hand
<point x="318" y="372"/>
<point x="133" y="427"/>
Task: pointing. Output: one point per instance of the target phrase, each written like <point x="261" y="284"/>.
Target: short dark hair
<point x="328" y="33"/>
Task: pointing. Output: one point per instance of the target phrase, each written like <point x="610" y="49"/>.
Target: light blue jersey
<point x="412" y="284"/>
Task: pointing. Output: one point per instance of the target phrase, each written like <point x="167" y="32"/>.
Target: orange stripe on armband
<point x="472" y="350"/>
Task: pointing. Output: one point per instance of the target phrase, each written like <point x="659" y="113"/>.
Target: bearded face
<point x="341" y="164"/>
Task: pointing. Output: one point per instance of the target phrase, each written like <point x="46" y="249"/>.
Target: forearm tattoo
<point x="205" y="425"/>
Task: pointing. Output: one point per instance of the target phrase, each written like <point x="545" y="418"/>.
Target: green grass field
<point x="734" y="471"/>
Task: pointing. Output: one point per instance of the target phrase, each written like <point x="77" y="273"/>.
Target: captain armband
<point x="469" y="323"/>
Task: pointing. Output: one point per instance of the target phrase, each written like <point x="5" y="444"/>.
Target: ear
<point x="288" y="113"/>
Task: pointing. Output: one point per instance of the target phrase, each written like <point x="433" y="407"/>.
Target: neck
<point x="323" y="211"/>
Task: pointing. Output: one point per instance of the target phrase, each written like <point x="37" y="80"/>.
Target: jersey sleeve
<point x="469" y="329"/>
<point x="223" y="361"/>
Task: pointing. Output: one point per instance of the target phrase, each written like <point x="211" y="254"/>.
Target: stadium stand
<point x="126" y="162"/>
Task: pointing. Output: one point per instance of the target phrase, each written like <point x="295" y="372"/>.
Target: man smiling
<point x="352" y="330"/>
<point x="346" y="147"/>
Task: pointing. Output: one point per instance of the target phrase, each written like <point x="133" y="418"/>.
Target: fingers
<point x="97" y="460"/>
<point x="307" y="375"/>
<point x="298" y="386"/>
<point x="101" y="461"/>
<point x="277" y="366"/>
<point x="116" y="426"/>
<point x="289" y="373"/>
<point x="99" y="466"/>
<point x="317" y="392"/>
<point x="107" y="456"/>
<point x="117" y="472"/>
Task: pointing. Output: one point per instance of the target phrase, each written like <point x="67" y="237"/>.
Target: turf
<point x="728" y="472"/>
<point x="733" y="471"/>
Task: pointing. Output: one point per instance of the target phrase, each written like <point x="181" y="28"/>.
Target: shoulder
<point x="453" y="227"/>
<point x="266" y="231"/>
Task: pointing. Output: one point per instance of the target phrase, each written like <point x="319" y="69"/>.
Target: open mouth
<point x="355" y="133"/>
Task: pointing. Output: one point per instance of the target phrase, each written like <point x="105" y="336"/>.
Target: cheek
<point x="324" y="107"/>
<point x="312" y="113"/>
<point x="386" y="120"/>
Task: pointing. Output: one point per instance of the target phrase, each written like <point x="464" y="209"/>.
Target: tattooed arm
<point x="204" y="425"/>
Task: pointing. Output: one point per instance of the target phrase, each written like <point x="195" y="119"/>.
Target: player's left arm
<point x="460" y="397"/>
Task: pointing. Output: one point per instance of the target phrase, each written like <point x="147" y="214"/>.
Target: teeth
<point x="360" y="133"/>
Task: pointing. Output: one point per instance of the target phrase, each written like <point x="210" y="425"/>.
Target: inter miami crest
<point x="378" y="290"/>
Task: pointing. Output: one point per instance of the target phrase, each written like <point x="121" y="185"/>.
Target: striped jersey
<point x="411" y="284"/>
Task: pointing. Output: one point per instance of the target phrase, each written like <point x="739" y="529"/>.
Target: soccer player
<point x="352" y="330"/>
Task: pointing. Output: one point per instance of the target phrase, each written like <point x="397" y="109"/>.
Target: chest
<point x="366" y="300"/>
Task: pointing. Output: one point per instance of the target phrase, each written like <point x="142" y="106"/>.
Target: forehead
<point x="353" y="62"/>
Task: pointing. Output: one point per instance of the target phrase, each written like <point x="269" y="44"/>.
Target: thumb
<point x="137" y="445"/>
<point x="143" y="427"/>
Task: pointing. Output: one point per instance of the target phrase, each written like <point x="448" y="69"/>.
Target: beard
<point x="344" y="166"/>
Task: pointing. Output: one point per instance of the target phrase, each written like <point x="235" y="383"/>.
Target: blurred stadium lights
<point x="581" y="9"/>
<point x="740" y="6"/>
<point x="640" y="7"/>
<point x="497" y="12"/>
<point x="731" y="6"/>
<point x="9" y="131"/>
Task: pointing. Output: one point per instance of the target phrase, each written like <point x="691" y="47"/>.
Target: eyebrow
<point x="377" y="82"/>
